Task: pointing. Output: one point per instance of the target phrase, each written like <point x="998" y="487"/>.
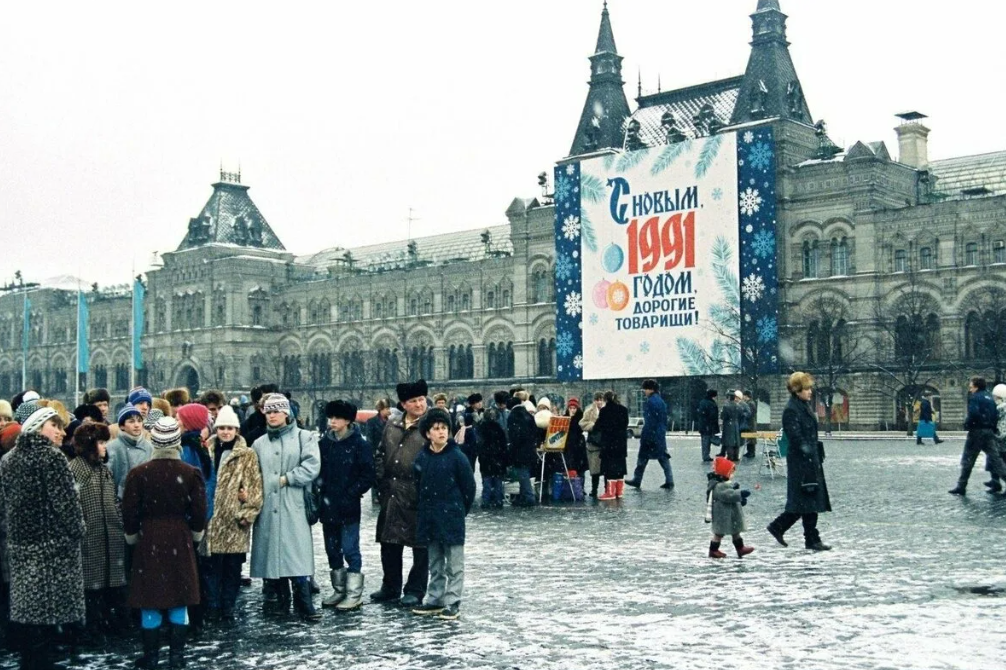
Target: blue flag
<point x="83" y="345"/>
<point x="139" y="291"/>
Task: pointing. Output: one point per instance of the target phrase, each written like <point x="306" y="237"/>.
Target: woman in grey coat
<point x="282" y="549"/>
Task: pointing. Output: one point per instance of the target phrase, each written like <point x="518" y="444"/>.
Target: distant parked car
<point x="635" y="427"/>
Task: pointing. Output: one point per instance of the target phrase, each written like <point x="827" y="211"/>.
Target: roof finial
<point x="658" y="82"/>
<point x="768" y="4"/>
<point x="639" y="83"/>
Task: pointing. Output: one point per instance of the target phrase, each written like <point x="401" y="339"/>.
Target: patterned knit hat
<point x="34" y="423"/>
<point x="126" y="412"/>
<point x="166" y="433"/>
<point x="152" y="416"/>
<point x="276" y="402"/>
<point x="139" y="395"/>
<point x="25" y="410"/>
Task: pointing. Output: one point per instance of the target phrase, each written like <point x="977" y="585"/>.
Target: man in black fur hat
<point x="398" y="496"/>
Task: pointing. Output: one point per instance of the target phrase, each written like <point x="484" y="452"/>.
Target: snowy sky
<point x="115" y="116"/>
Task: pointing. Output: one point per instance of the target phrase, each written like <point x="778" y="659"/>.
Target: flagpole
<point x="25" y="336"/>
<point x="76" y="361"/>
<point x="132" y="329"/>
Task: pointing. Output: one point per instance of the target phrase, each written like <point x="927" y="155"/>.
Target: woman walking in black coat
<point x="806" y="490"/>
<point x="613" y="425"/>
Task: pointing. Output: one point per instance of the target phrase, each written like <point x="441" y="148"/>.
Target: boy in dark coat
<point x="492" y="453"/>
<point x="347" y="473"/>
<point x="446" y="493"/>
<point x="523" y="435"/>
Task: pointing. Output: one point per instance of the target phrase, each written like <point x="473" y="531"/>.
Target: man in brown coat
<point x="398" y="496"/>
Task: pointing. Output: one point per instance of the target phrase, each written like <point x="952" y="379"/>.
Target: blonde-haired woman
<point x="806" y="490"/>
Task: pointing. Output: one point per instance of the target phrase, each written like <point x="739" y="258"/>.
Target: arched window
<point x="378" y="310"/>
<point x="506" y="298"/>
<point x="900" y="260"/>
<point x="812" y="335"/>
<point x="839" y="257"/>
<point x="811" y="254"/>
<point x="933" y="337"/>
<point x="972" y="336"/>
<point x="450" y="303"/>
<point x="490" y="300"/>
<point x="971" y="253"/>
<point x="999" y="251"/>
<point x="546" y="357"/>
<point x="466" y="302"/>
<point x="926" y="258"/>
<point x="902" y="337"/>
<point x="491" y="362"/>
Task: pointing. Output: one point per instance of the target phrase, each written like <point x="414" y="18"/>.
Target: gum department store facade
<point x="866" y="240"/>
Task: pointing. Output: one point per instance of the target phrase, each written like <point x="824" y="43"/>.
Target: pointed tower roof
<point x="606" y="108"/>
<point x="230" y="217"/>
<point x="771" y="87"/>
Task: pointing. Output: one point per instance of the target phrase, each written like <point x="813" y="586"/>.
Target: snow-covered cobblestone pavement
<point x="628" y="584"/>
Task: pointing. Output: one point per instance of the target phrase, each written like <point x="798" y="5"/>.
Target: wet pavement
<point x="913" y="582"/>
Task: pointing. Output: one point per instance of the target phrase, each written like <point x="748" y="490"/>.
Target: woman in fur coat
<point x="45" y="526"/>
<point x="237" y="503"/>
<point x="104" y="543"/>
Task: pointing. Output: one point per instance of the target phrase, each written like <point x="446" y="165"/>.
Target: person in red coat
<point x="163" y="515"/>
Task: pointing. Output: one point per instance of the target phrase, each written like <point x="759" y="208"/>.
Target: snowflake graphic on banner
<point x="760" y="156"/>
<point x="717" y="194"/>
<point x="578" y="362"/>
<point x="751" y="201"/>
<point x="563" y="188"/>
<point x="573" y="304"/>
<point x="748" y="137"/>
<point x="753" y="288"/>
<point x="768" y="329"/>
<point x="563" y="267"/>
<point x="564" y="344"/>
<point x="763" y="244"/>
<point x="571" y="227"/>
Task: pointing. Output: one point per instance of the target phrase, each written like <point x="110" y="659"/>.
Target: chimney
<point x="913" y="140"/>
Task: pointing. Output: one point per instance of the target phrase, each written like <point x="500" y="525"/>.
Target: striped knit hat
<point x="166" y="433"/>
<point x="152" y="416"/>
<point x="126" y="412"/>
<point x="276" y="402"/>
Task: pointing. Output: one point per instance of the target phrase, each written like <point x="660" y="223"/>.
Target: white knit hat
<point x="166" y="433"/>
<point x="544" y="402"/>
<point x="529" y="407"/>
<point x="30" y="395"/>
<point x="34" y="423"/>
<point x="226" y="418"/>
<point x="999" y="392"/>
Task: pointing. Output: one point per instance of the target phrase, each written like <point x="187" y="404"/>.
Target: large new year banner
<point x="666" y="260"/>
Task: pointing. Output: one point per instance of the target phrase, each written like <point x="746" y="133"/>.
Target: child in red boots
<point x="724" y="508"/>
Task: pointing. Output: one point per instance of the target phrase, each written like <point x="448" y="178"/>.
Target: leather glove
<point x="744" y="497"/>
<point x="736" y="486"/>
<point x="820" y="451"/>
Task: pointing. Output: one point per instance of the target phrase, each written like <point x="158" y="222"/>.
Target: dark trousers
<point x="391" y="562"/>
<point x="785" y="521"/>
<point x="979" y="440"/>
<point x="223" y="580"/>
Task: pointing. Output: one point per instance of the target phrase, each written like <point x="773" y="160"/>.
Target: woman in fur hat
<point x="164" y="515"/>
<point x="237" y="502"/>
<point x="45" y="526"/>
<point x="104" y="543"/>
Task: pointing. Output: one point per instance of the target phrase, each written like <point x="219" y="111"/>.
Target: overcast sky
<point x="114" y="117"/>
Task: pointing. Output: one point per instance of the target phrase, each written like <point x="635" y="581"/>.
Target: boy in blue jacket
<point x="347" y="473"/>
<point x="446" y="493"/>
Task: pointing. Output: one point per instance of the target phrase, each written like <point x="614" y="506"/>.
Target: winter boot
<point x="777" y="534"/>
<point x="176" y="636"/>
<point x="315" y="589"/>
<point x="619" y="488"/>
<point x="151" y="639"/>
<point x="354" y="592"/>
<point x="742" y="551"/>
<point x="339" y="588"/>
<point x="385" y="595"/>
<point x="610" y="489"/>
<point x="994" y="486"/>
<point x="302" y="601"/>
<point x="594" y="481"/>
<point x="714" y="550"/>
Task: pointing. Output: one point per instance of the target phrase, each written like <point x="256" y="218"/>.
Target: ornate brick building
<point x="892" y="274"/>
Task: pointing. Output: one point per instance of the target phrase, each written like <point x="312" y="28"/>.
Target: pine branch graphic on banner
<point x="669" y="155"/>
<point x="630" y="159"/>
<point x="710" y="151"/>
<point x="587" y="232"/>
<point x="591" y="188"/>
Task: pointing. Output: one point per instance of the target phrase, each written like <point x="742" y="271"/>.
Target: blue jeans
<point x="492" y="491"/>
<point x="526" y="496"/>
<point x="343" y="540"/>
<point x="665" y="462"/>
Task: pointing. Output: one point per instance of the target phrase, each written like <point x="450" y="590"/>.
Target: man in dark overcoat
<point x="398" y="496"/>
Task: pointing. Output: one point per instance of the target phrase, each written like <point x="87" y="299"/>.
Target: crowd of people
<point x="140" y="519"/>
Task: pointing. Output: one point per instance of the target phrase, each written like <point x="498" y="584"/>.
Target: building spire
<point x="771" y="87"/>
<point x="605" y="36"/>
<point x="606" y="107"/>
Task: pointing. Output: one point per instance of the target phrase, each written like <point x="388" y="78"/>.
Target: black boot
<point x="151" y="639"/>
<point x="177" y="636"/>
<point x="302" y="600"/>
<point x="777" y="534"/>
<point x="594" y="481"/>
<point x="277" y="601"/>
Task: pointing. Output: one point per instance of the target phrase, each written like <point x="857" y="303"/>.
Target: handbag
<point x="716" y="440"/>
<point x="312" y="504"/>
